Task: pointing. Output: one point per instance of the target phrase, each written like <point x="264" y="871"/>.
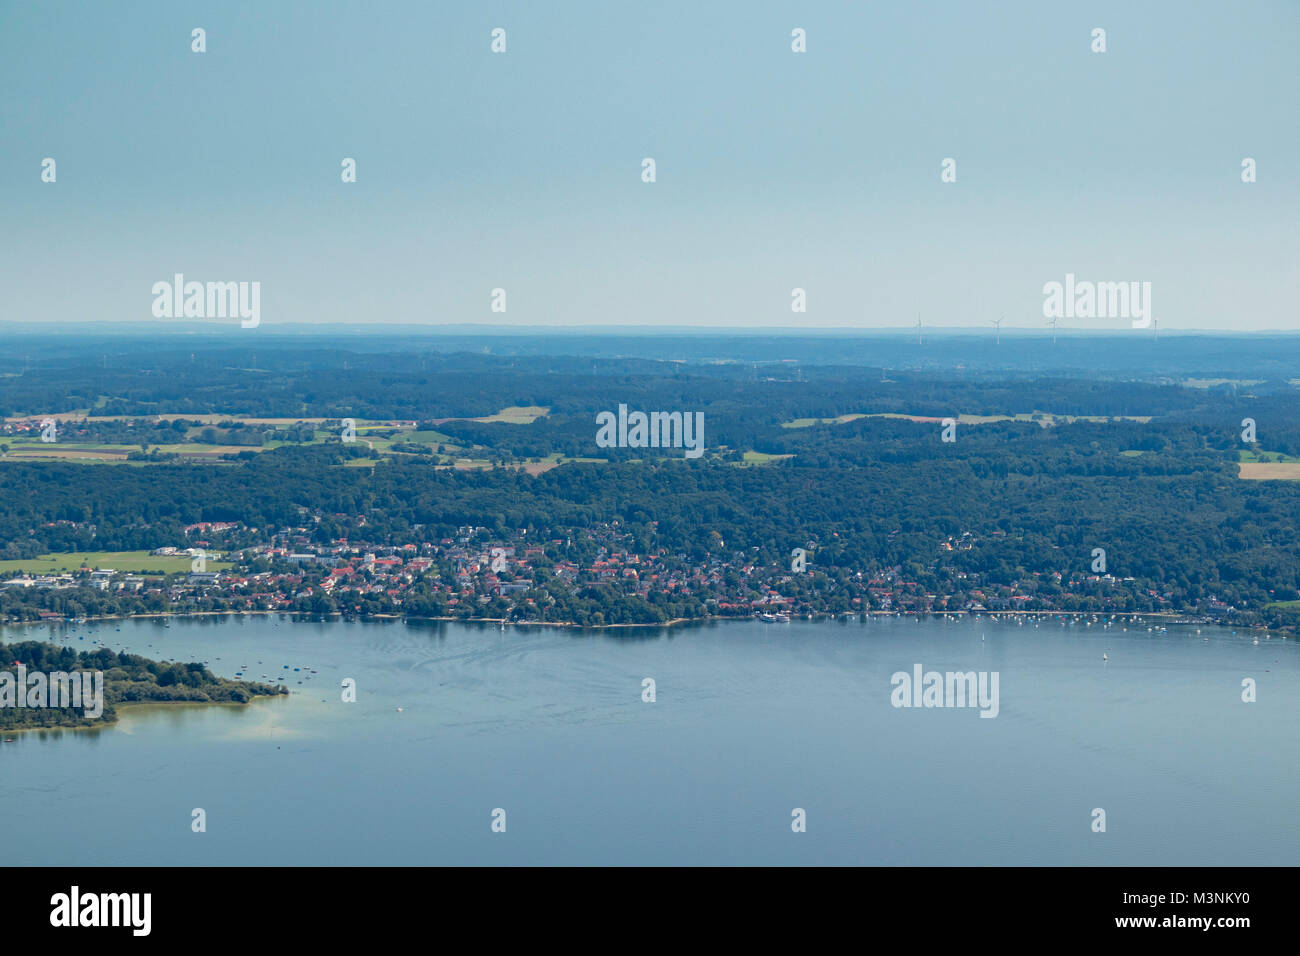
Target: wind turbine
<point x="919" y="339"/>
<point x="1053" y="325"/>
<point x="997" y="324"/>
<point x="1155" y="328"/>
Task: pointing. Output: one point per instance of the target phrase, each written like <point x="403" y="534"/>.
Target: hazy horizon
<point x="775" y="170"/>
<point x="184" y="327"/>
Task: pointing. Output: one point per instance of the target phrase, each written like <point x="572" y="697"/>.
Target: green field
<point x="1261" y="455"/>
<point x="134" y="561"/>
<point x="809" y="422"/>
<point x="1211" y="382"/>
<point x="762" y="458"/>
<point x="418" y="437"/>
<point x="516" y="415"/>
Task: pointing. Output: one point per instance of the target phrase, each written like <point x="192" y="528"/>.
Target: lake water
<point x="751" y="721"/>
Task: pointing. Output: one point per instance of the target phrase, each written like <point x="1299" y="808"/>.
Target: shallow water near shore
<point x="750" y="721"/>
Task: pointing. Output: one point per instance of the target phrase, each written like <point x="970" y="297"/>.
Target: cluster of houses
<point x="475" y="567"/>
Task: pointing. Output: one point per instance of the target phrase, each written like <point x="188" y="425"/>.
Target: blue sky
<point x="775" y="170"/>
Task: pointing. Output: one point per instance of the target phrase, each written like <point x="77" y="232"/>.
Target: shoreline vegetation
<point x="128" y="679"/>
<point x="1163" y="617"/>
<point x="126" y="707"/>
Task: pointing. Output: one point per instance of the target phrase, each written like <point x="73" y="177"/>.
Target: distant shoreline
<point x="1163" y="617"/>
<point x="331" y="330"/>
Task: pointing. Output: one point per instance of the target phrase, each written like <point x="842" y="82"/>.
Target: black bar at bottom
<point x="375" y="904"/>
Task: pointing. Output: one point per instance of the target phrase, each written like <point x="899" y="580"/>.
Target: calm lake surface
<point x="751" y="721"/>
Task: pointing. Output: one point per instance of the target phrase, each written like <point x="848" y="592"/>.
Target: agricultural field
<point x="133" y="561"/>
<point x="1261" y="465"/>
<point x="1269" y="470"/>
<point x="1044" y="417"/>
<point x="38" y="451"/>
<point x="1214" y="382"/>
<point x="379" y="437"/>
